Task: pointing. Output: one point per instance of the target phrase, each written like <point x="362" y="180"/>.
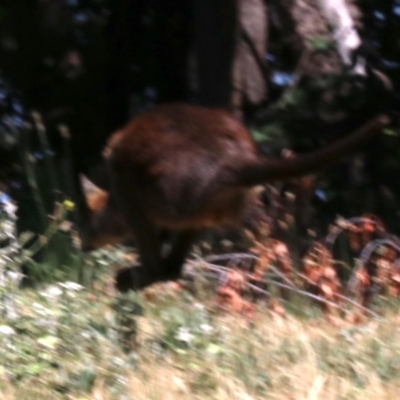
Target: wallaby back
<point x="179" y="163"/>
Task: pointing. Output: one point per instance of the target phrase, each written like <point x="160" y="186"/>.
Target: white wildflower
<point x="206" y="328"/>
<point x="71" y="286"/>
<point x="86" y="334"/>
<point x="7" y="277"/>
<point x="8" y="228"/>
<point x="6" y="330"/>
<point x="199" y="306"/>
<point x="117" y="361"/>
<point x="14" y="276"/>
<point x="10" y="208"/>
<point x="51" y="292"/>
<point x="184" y="335"/>
<point x="40" y="309"/>
<point x="44" y="322"/>
<point x="10" y="309"/>
<point x="3" y="279"/>
<point x="65" y="226"/>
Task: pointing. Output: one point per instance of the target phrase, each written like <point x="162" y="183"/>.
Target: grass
<point x="90" y="344"/>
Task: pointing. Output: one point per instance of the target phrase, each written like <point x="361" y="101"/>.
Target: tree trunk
<point x="215" y="34"/>
<point x="249" y="73"/>
<point x="230" y="48"/>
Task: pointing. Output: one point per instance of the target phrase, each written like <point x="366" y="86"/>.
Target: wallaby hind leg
<point x="170" y="268"/>
<point x="173" y="263"/>
<point x="149" y="248"/>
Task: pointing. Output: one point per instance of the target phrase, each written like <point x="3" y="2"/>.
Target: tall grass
<point x="67" y="344"/>
<point x="46" y="210"/>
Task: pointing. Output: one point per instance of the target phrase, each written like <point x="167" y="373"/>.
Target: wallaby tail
<point x="267" y="169"/>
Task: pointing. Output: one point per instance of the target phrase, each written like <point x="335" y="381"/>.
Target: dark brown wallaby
<point x="184" y="168"/>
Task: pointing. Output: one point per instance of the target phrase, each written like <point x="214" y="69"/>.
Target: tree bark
<point x="230" y="48"/>
<point x="249" y="73"/>
<point x="313" y="20"/>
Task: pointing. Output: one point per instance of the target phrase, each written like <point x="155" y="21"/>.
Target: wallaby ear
<point x="96" y="198"/>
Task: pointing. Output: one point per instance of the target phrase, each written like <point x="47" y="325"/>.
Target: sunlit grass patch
<point x="68" y="342"/>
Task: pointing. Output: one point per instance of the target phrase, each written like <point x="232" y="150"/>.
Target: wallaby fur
<point x="184" y="168"/>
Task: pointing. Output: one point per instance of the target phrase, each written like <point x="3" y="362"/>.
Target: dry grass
<point x="276" y="359"/>
<point x="298" y="356"/>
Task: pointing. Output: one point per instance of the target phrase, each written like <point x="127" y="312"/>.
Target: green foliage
<point x="322" y="45"/>
<point x="268" y="133"/>
<point x="54" y="334"/>
<point x="52" y="250"/>
<point x="391" y="132"/>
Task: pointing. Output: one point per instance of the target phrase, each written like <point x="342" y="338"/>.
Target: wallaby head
<point x="185" y="168"/>
<point x="105" y="224"/>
